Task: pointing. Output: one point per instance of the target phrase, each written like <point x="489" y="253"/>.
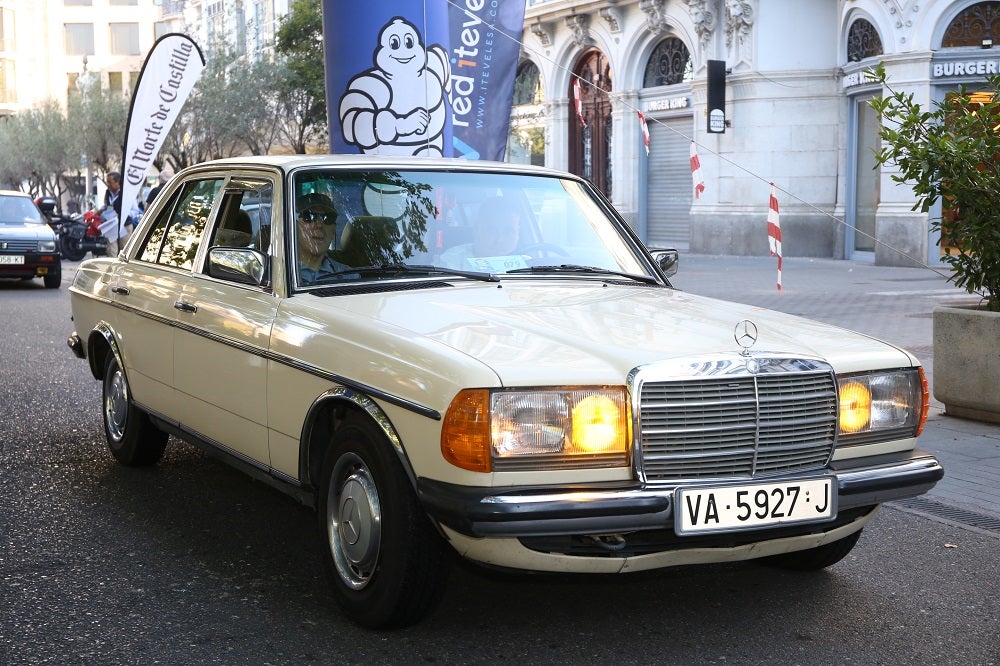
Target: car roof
<point x="290" y="162"/>
<point x="14" y="193"/>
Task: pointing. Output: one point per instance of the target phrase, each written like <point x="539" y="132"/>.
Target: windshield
<point x="451" y="222"/>
<point x="18" y="211"/>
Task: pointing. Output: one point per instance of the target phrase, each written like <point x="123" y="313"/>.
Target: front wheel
<point x="817" y="558"/>
<point x="53" y="280"/>
<point x="70" y="248"/>
<point x="386" y="563"/>
<point x="133" y="439"/>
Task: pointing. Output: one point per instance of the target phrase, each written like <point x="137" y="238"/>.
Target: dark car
<point x="28" y="246"/>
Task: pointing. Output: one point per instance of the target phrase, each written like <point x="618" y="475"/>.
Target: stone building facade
<point x="796" y="113"/>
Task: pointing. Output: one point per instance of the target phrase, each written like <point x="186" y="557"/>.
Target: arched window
<point x="863" y="41"/>
<point x="973" y="25"/>
<point x="528" y="85"/>
<point x="669" y="63"/>
<point x="590" y="129"/>
<point x="526" y="138"/>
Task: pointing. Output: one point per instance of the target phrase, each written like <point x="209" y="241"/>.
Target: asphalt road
<point x="192" y="563"/>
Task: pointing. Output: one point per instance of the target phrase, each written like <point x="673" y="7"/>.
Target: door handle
<point x="185" y="307"/>
<point x="124" y="291"/>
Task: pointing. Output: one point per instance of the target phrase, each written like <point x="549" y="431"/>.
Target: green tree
<point x="302" y="95"/>
<point x="36" y="149"/>
<point x="950" y="155"/>
<point x="98" y="119"/>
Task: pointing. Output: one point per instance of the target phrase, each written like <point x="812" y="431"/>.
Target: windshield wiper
<point x="574" y="268"/>
<point x="408" y="269"/>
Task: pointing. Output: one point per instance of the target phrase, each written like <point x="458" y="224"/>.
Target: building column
<point x="625" y="154"/>
<point x="557" y="134"/>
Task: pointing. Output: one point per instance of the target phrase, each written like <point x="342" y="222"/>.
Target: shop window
<point x="669" y="64"/>
<point x="974" y="26"/>
<point x="528" y="85"/>
<point x="526" y="139"/>
<point x="863" y="41"/>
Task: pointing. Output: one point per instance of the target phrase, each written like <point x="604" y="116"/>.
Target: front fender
<point x="318" y="431"/>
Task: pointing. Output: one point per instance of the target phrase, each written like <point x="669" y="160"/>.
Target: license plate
<point x="11" y="259"/>
<point x="740" y="507"/>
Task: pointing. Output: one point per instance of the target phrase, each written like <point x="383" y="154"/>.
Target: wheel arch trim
<point x="310" y="464"/>
<point x="102" y="330"/>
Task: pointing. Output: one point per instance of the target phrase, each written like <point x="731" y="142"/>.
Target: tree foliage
<point x="950" y="155"/>
<point x="301" y="97"/>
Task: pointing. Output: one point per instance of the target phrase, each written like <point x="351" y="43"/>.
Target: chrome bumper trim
<point x="518" y="512"/>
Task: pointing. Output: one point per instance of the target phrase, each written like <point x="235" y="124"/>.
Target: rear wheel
<point x="70" y="248"/>
<point x="386" y="563"/>
<point x="132" y="437"/>
<point x="817" y="558"/>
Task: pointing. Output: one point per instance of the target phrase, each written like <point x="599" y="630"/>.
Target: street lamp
<point x="84" y="84"/>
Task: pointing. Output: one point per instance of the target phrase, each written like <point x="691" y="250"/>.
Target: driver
<point x="316" y="225"/>
<point x="497" y="234"/>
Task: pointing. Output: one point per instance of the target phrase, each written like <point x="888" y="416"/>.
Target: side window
<point x="245" y="215"/>
<point x="176" y="236"/>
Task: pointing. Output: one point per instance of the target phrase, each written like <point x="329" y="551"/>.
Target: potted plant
<point x="949" y="154"/>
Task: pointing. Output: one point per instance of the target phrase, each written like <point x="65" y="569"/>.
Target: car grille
<point x="741" y="425"/>
<point x="18" y="246"/>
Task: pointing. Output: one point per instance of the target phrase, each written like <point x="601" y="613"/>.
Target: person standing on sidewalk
<point x="112" y="210"/>
<point x="166" y="173"/>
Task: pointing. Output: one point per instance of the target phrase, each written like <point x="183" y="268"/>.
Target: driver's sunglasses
<point x="313" y="216"/>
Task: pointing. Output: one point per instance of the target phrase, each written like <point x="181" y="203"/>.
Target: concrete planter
<point x="967" y="361"/>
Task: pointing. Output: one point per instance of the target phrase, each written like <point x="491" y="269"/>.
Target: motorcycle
<point x="81" y="234"/>
<point x="78" y="234"/>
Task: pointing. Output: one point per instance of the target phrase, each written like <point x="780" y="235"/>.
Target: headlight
<point x="879" y="406"/>
<point x="47" y="246"/>
<point x="541" y="429"/>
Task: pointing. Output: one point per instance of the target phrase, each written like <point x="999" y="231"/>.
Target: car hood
<point x="26" y="231"/>
<point x="529" y="333"/>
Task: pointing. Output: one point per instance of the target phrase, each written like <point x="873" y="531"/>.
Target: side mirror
<point x="242" y="265"/>
<point x="668" y="259"/>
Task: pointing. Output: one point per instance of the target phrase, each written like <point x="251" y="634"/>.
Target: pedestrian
<point x="166" y="173"/>
<point x="112" y="211"/>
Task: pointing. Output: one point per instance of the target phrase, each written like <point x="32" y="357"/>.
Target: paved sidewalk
<point x="893" y="304"/>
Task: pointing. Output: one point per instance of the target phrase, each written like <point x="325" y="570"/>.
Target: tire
<point x="817" y="558"/>
<point x="133" y="439"/>
<point x="70" y="248"/>
<point x="53" y="280"/>
<point x="386" y="563"/>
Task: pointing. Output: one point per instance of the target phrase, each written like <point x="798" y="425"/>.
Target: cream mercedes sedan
<point x="476" y="358"/>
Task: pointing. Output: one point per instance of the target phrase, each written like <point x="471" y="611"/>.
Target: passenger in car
<point x="497" y="234"/>
<point x="238" y="232"/>
<point x="316" y="225"/>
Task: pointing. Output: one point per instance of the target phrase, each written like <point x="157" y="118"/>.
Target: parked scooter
<point x="80" y="235"/>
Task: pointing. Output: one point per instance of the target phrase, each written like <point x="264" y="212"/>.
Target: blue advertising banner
<point x="421" y="77"/>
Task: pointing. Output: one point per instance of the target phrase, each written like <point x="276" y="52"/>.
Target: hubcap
<point x="354" y="521"/>
<point x="116" y="405"/>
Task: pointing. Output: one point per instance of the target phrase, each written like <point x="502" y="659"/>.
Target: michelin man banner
<point x="429" y="78"/>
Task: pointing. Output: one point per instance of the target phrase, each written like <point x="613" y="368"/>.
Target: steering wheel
<point x="542" y="248"/>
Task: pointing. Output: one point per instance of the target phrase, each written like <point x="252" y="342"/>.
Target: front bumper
<point x="527" y="512"/>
